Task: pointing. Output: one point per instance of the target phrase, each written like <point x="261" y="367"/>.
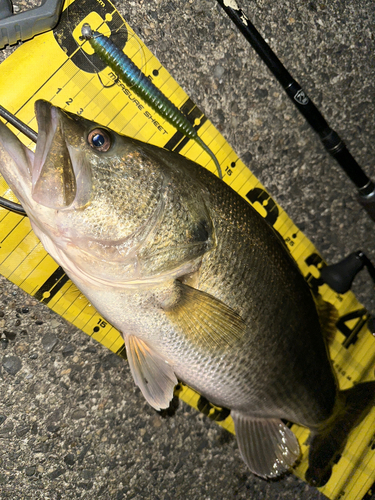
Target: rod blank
<point x="330" y="139"/>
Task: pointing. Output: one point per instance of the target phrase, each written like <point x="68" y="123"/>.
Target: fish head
<point x="108" y="208"/>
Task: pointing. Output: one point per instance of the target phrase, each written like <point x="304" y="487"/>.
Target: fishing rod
<point x="33" y="136"/>
<point x="330" y="139"/>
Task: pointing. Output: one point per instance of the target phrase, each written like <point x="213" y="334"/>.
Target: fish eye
<point x="99" y="139"/>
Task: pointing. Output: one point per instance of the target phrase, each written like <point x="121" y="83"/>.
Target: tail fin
<point x="268" y="447"/>
<point x="355" y="404"/>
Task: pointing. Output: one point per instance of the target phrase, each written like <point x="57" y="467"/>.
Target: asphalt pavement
<point x="72" y="423"/>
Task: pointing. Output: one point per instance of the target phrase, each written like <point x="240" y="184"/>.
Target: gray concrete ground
<point x="72" y="424"/>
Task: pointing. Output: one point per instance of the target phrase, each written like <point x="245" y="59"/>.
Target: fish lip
<point x="48" y="120"/>
<point x="54" y="184"/>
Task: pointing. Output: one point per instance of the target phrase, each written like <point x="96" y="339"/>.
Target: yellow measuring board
<point x="55" y="67"/>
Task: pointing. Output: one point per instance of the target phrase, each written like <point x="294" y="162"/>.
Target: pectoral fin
<point x="205" y="319"/>
<point x="151" y="373"/>
<point x="268" y="447"/>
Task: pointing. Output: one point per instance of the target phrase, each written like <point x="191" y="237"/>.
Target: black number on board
<point x="314" y="260"/>
<point x="102" y="323"/>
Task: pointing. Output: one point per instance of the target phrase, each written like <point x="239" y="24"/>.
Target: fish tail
<point x="267" y="446"/>
<point x="353" y="406"/>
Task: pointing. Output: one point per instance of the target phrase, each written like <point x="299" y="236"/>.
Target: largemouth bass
<point x="201" y="287"/>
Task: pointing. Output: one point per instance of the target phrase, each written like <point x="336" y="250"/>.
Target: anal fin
<point x="267" y="446"/>
<point x="151" y="373"/>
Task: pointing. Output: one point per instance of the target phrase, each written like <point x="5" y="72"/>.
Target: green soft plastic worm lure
<point x="132" y="76"/>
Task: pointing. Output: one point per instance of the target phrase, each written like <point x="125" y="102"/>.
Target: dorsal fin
<point x="328" y="317"/>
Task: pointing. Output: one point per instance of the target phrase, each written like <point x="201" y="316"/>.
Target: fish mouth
<point x="58" y="175"/>
<point x="53" y="178"/>
<point x="47" y="119"/>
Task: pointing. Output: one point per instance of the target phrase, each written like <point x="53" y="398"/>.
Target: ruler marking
<point x="51" y="286"/>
